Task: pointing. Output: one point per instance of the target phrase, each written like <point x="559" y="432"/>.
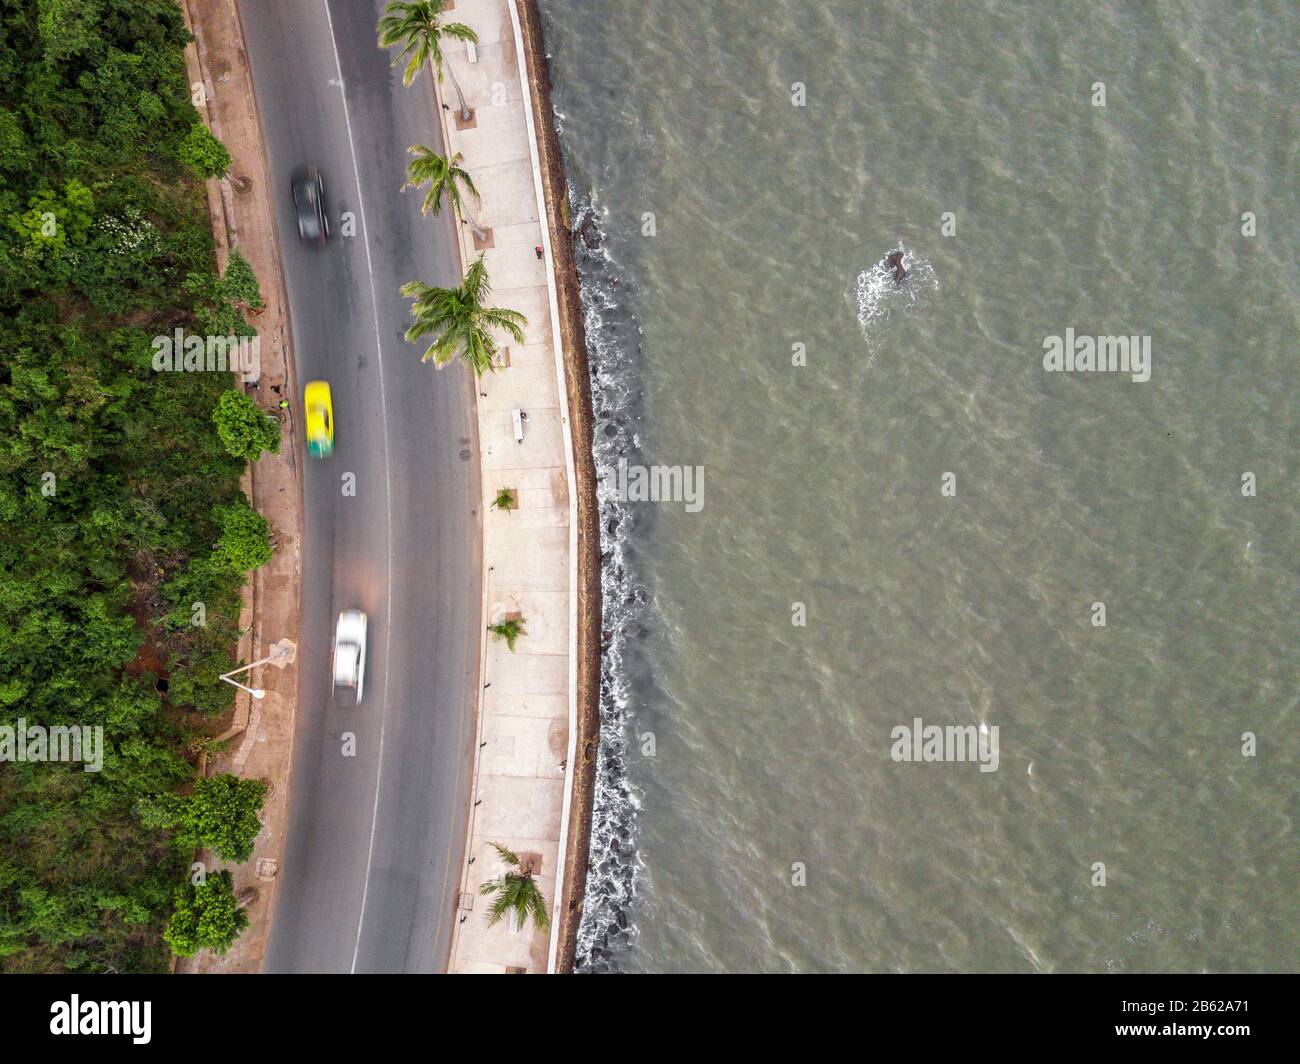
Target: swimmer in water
<point x="895" y="259"/>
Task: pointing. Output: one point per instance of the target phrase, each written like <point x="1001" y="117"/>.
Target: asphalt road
<point x="376" y="840"/>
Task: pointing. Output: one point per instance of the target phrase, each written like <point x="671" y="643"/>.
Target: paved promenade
<point x="527" y="710"/>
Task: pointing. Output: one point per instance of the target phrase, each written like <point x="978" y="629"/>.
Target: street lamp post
<point x="282" y="654"/>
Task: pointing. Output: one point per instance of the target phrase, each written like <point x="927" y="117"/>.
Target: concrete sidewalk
<point x="523" y="769"/>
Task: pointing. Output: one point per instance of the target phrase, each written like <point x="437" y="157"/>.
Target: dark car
<point x="309" y="204"/>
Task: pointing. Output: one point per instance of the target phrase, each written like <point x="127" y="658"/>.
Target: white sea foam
<point x="878" y="296"/>
<point x="612" y="348"/>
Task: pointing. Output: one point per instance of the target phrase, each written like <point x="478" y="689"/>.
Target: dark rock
<point x="590" y="232"/>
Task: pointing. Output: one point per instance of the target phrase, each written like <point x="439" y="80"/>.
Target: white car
<point x="350" y="652"/>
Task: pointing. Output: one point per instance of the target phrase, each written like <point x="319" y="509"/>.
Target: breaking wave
<point x="613" y="355"/>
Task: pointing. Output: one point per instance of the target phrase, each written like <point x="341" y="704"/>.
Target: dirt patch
<point x="146" y="580"/>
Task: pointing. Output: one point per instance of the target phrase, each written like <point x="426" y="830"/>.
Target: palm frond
<point x="445" y="177"/>
<point x="416" y="27"/>
<point x="508" y="856"/>
<point x="476" y="285"/>
<point x="460" y="31"/>
<point x="516" y="892"/>
<point x="458" y="321"/>
<point x="510" y="321"/>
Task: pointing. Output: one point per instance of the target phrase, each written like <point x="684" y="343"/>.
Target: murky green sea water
<point x="823" y="483"/>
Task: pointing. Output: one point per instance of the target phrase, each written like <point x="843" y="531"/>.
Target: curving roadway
<point x="376" y="839"/>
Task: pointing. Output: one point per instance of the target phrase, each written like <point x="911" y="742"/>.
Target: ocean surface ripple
<point x="749" y="814"/>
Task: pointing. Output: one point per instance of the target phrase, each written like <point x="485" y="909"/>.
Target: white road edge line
<point x="388" y="484"/>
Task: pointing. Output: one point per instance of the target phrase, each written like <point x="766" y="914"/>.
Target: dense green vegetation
<point x="207" y="916"/>
<point x="243" y="427"/>
<point x="120" y="506"/>
<point x="239" y="283"/>
<point x="220" y="814"/>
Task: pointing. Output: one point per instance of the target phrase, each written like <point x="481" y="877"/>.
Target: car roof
<point x="345" y="661"/>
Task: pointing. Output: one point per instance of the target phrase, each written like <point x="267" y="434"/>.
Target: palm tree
<point x="510" y="629"/>
<point x="516" y="892"/>
<point x="416" y="27"/>
<point x="459" y="322"/>
<point x="505" y="500"/>
<point x="445" y="177"/>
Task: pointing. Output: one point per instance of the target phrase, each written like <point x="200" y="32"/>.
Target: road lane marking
<point x="388" y="490"/>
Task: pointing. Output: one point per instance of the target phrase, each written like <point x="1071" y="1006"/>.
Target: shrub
<point x="203" y="153"/>
<point x="195" y="682"/>
<point x="239" y="285"/>
<point x="245" y="538"/>
<point x="207" y="916"/>
<point x="221" y="814"/>
<point x="244" y="428"/>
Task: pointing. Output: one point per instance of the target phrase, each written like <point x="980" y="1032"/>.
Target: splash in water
<point x="608" y="923"/>
<point x="879" y="296"/>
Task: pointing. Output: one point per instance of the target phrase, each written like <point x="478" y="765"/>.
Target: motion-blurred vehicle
<point x="309" y="204"/>
<point x="320" y="419"/>
<point x="350" y="653"/>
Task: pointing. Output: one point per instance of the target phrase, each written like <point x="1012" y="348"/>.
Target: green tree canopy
<point x="417" y="27"/>
<point x="516" y="892"/>
<point x="203" y="153"/>
<point x="239" y="282"/>
<point x="112" y="476"/>
<point x="220" y="814"/>
<point x="459" y="322"/>
<point x="509" y="630"/>
<point x="445" y="178"/>
<point x="244" y="428"/>
<point x="245" y="538"/>
<point x="206" y="916"/>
